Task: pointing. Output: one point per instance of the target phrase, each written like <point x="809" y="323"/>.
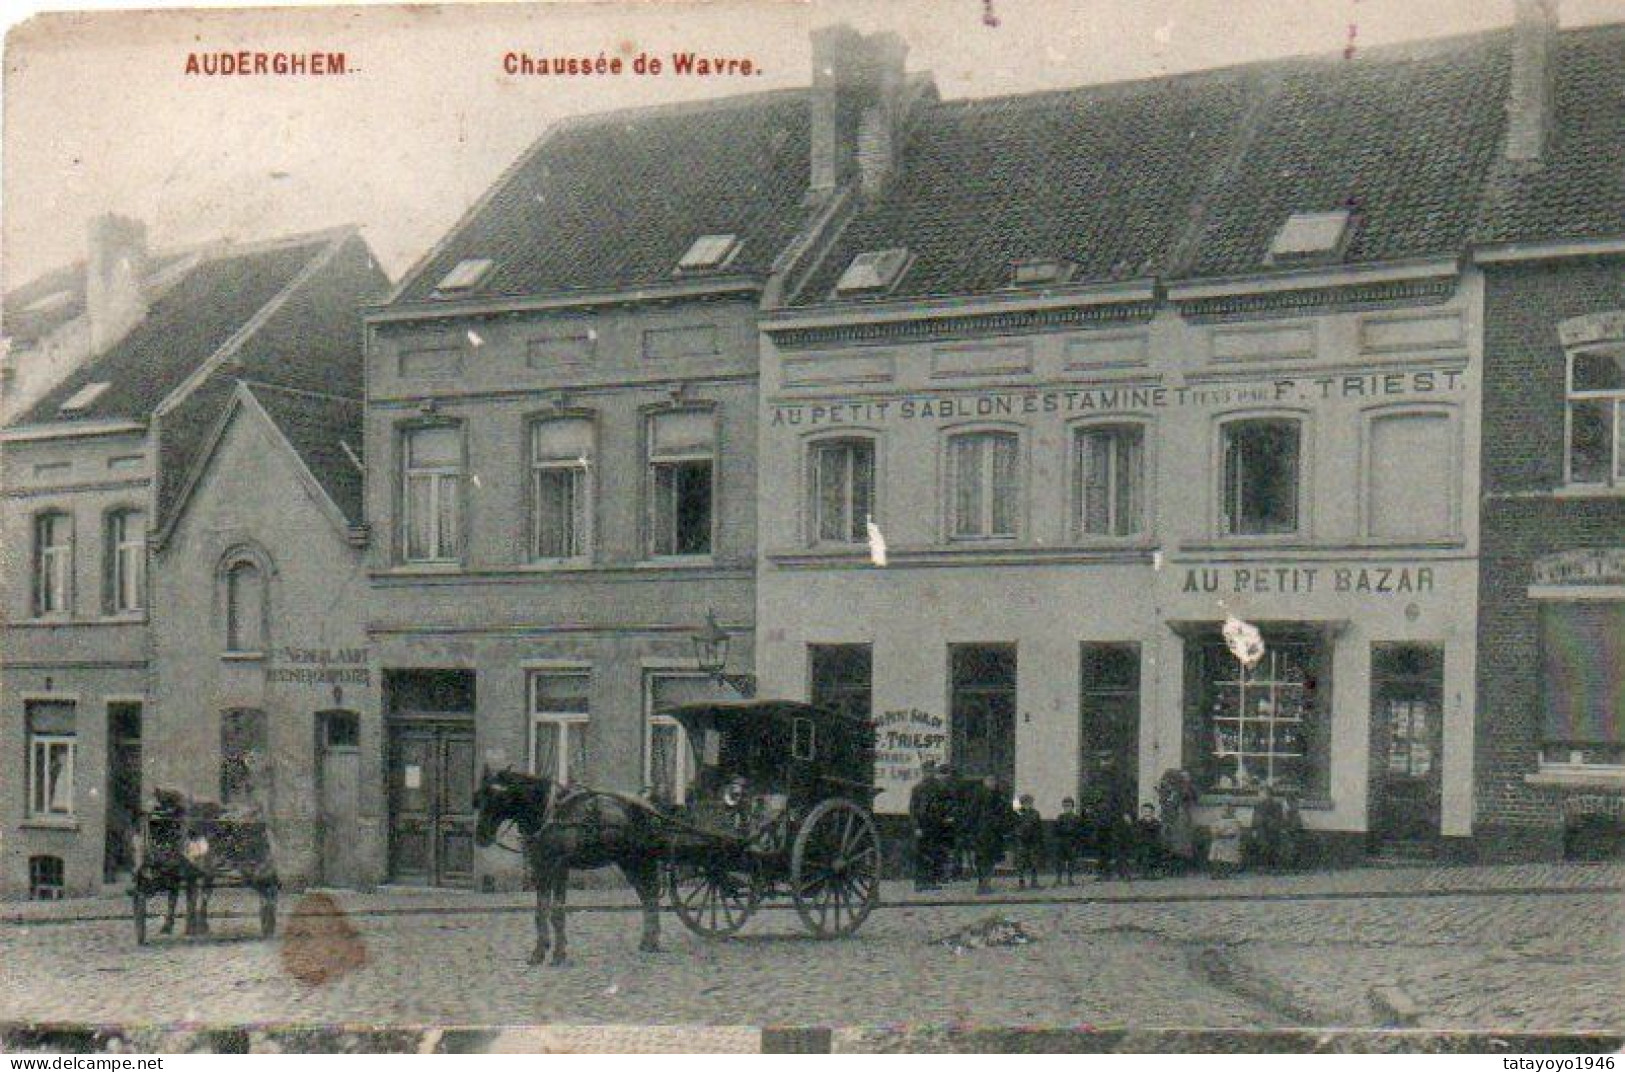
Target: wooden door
<point x="1109" y="730"/>
<point x="431" y="794"/>
<point x="339" y="790"/>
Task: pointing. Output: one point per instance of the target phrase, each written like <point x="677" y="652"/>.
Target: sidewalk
<point x="1364" y="882"/>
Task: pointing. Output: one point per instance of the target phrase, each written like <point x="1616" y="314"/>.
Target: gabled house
<point x="90" y="471"/>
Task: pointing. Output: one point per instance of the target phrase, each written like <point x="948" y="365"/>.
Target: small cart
<point x="780" y="805"/>
<point x="192" y="848"/>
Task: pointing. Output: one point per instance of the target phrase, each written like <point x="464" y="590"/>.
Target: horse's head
<point x="503" y="797"/>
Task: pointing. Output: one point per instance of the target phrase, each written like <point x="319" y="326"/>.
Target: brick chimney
<point x="1530" y="93"/>
<point x="116" y="270"/>
<point x="857" y="107"/>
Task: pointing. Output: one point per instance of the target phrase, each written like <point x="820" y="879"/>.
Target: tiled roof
<point x="615" y="200"/>
<point x="1192" y="176"/>
<point x="311" y="342"/>
<point x="185" y="326"/>
<point x="1579" y="189"/>
<point x="44" y="304"/>
<point x="319" y="428"/>
<point x="1104" y="177"/>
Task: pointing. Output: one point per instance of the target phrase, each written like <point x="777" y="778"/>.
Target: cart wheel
<point x="268" y="912"/>
<point x="138" y="905"/>
<point x="835" y="868"/>
<point x="714" y="900"/>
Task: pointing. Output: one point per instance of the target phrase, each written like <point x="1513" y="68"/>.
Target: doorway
<point x="1407" y="693"/>
<point x="1109" y="730"/>
<point x="338" y="790"/>
<point x="431" y="802"/>
<point x="982" y="711"/>
<point x="123" y="786"/>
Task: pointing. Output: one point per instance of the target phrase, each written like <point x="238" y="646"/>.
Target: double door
<point x="431" y="802"/>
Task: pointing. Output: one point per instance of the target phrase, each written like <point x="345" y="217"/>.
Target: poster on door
<point x="905" y="739"/>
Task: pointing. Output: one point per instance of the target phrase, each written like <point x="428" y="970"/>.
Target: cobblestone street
<point x="1534" y="949"/>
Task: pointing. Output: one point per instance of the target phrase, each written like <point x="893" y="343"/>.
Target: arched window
<point x="841" y="486"/>
<point x="984" y="485"/>
<point x="53" y="563"/>
<point x="245" y="607"/>
<point x="1260" y="476"/>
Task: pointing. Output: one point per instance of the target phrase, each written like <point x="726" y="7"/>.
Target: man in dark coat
<point x="1067" y="842"/>
<point x="930" y="808"/>
<point x="992" y="825"/>
<point x="1029" y="828"/>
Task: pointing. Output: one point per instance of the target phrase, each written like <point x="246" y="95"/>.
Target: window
<point x="1038" y="272"/>
<point x="52" y="747"/>
<point x="244" y="757"/>
<point x="126" y="550"/>
<point x="709" y="251"/>
<point x="1311" y="236"/>
<point x="46" y="881"/>
<point x="1410" y="476"/>
<point x="872" y="273"/>
<point x="842" y="676"/>
<point x="682" y="449"/>
<point x="53" y="563"/>
<point x="1582" y="680"/>
<point x="1267" y="724"/>
<point x="982" y="711"/>
<point x="1596" y="418"/>
<point x="433" y="487"/>
<point x="465" y="274"/>
<point x="82" y="398"/>
<point x="668" y="765"/>
<point x="1260" y="467"/>
<point x="1110" y="492"/>
<point x="561" y="451"/>
<point x="843" y="490"/>
<point x="245" y="608"/>
<point x="984" y="480"/>
<point x="559" y="705"/>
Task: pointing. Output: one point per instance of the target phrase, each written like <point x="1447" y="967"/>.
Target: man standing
<point x="993" y="820"/>
<point x="928" y="807"/>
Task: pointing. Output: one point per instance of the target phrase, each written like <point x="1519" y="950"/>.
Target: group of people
<point x="962" y="825"/>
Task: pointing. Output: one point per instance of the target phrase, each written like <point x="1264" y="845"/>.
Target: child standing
<point x="1068" y="837"/>
<point x="1029" y="842"/>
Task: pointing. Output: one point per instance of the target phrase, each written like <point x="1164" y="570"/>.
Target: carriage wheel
<point x="835" y="868"/>
<point x="267" y="911"/>
<point x="714" y="900"/>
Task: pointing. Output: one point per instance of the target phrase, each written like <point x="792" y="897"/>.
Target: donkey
<point x="565" y="829"/>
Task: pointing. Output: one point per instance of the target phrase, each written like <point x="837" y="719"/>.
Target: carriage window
<point x="244" y="768"/>
<point x="803" y="743"/>
<point x="560" y="705"/>
<point x="52" y="747"/>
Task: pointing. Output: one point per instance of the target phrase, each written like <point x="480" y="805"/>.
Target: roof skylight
<point x="1040" y="270"/>
<point x="874" y="272"/>
<point x="1311" y="236"/>
<point x="709" y="251"/>
<point x="466" y="274"/>
<point x="83" y="397"/>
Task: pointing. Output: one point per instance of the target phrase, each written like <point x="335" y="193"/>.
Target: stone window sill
<point x="1557" y="776"/>
<point x="65" y="823"/>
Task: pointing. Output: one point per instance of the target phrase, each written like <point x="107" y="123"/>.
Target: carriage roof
<point x="839" y="746"/>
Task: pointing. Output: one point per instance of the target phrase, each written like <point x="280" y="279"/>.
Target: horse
<point x="564" y="829"/>
<point x="168" y="860"/>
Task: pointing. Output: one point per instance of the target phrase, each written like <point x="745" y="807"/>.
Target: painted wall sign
<point x="320" y="666"/>
<point x="1307" y="580"/>
<point x="1598" y="565"/>
<point x="1286" y="389"/>
<point x="904" y="740"/>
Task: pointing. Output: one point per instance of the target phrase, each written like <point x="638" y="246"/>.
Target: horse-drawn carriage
<point x="195" y="847"/>
<point x="779" y="805"/>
